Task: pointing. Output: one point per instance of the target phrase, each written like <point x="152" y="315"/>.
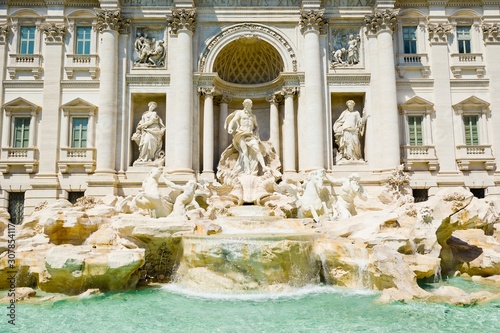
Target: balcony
<point x="25" y="63"/>
<point x="82" y="63"/>
<point x="472" y="62"/>
<point x="419" y="155"/>
<point x="475" y="157"/>
<point x="413" y="62"/>
<point x="74" y="158"/>
<point x="19" y="158"/>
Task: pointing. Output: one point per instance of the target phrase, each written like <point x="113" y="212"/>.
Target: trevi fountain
<point x="252" y="252"/>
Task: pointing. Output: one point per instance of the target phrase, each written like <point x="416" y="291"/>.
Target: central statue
<point x="248" y="161"/>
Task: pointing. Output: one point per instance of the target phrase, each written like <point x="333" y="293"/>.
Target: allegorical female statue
<point x="149" y="135"/>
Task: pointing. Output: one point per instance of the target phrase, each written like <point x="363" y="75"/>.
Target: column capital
<point x="491" y="33"/>
<point x="312" y="20"/>
<point x="275" y="98"/>
<point x="223" y="99"/>
<point x="182" y="19"/>
<point x="54" y="32"/>
<point x="438" y="32"/>
<point x="207" y="91"/>
<point x="112" y="20"/>
<point x="288" y="91"/>
<point x="4" y="33"/>
<point x="381" y="21"/>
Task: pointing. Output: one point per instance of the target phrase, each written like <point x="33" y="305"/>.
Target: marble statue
<point x="337" y="56"/>
<point x="150" y="52"/>
<point x="186" y="199"/>
<point x="350" y="189"/>
<point x="348" y="130"/>
<point x="352" y="51"/>
<point x="149" y="136"/>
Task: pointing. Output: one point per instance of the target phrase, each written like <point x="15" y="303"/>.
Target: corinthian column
<point x="382" y="24"/>
<point x="110" y="24"/>
<point x="289" y="131"/>
<point x="311" y="118"/>
<point x="208" y="130"/>
<point x="274" y="121"/>
<point x="223" y="112"/>
<point x="179" y="152"/>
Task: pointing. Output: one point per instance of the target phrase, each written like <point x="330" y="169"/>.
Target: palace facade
<point x="77" y="77"/>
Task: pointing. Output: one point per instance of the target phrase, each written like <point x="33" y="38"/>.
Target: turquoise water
<point x="313" y="309"/>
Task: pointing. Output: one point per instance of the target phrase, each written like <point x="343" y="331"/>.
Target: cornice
<point x="38" y="84"/>
<point x="470" y="83"/>
<point x="349" y="80"/>
<point x="148" y="80"/>
<point x="80" y="84"/>
<point x="415" y="83"/>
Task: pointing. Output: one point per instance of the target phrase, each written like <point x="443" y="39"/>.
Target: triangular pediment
<point x="472" y="104"/>
<point x="20" y="104"/>
<point x="417" y="103"/>
<point x="78" y="104"/>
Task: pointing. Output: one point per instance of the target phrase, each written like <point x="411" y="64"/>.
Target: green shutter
<point x="79" y="133"/>
<point x="415" y="130"/>
<point x="471" y="130"/>
<point x="21" y="132"/>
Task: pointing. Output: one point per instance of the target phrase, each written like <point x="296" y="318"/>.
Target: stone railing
<point x="425" y="155"/>
<point x="413" y="62"/>
<point x="23" y="158"/>
<point x="481" y="155"/>
<point x="467" y="61"/>
<point x="25" y="63"/>
<point x="82" y="63"/>
<point x="77" y="158"/>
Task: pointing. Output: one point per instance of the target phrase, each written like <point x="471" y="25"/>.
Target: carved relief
<point x="312" y="20"/>
<point x="345" y="47"/>
<point x="149" y="48"/>
<point x="210" y="91"/>
<point x="181" y="20"/>
<point x="54" y="33"/>
<point x="276" y="98"/>
<point x="289" y="91"/>
<point x="4" y="33"/>
<point x="491" y="32"/>
<point x="381" y="21"/>
<point x="438" y="32"/>
<point x="111" y="20"/>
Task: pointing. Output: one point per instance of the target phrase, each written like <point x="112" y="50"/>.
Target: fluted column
<point x="179" y="153"/>
<point x="223" y="112"/>
<point x="208" y="130"/>
<point x="311" y="118"/>
<point x="382" y="24"/>
<point x="289" y="139"/>
<point x="491" y="37"/>
<point x="274" y="121"/>
<point x="444" y="141"/>
<point x="110" y="24"/>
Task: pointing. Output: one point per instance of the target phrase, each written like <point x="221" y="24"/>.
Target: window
<point x="463" y="38"/>
<point x="478" y="192"/>
<point x="27" y="41"/>
<point x="83" y="37"/>
<point x="415" y="130"/>
<point x="471" y="130"/>
<point x="21" y="132"/>
<point x="420" y="194"/>
<point x="410" y="40"/>
<point x="74" y="196"/>
<point x="16" y="207"/>
<point x="79" y="132"/>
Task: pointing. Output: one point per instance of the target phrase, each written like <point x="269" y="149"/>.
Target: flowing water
<point x="311" y="309"/>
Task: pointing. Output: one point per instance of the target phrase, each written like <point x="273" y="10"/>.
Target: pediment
<point x="78" y="105"/>
<point x="20" y="104"/>
<point x="472" y="104"/>
<point x="417" y="103"/>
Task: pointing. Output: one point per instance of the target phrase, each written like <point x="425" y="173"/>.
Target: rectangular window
<point x="27" y="45"/>
<point x="410" y="39"/>
<point x="16" y="207"/>
<point x="415" y="130"/>
<point x="471" y="130"/>
<point x="83" y="40"/>
<point x="21" y="132"/>
<point x="79" y="133"/>
<point x="463" y="38"/>
<point x="74" y="196"/>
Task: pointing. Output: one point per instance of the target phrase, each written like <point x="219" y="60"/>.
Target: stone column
<point x="179" y="147"/>
<point x="444" y="140"/>
<point x="110" y="24"/>
<point x="274" y="121"/>
<point x="491" y="37"/>
<point x="208" y="131"/>
<point x="90" y="131"/>
<point x="223" y="113"/>
<point x="4" y="125"/>
<point x="382" y="24"/>
<point x="311" y="118"/>
<point x="289" y="139"/>
<point x="65" y="130"/>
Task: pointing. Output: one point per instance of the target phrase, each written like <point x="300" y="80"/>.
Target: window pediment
<point x="80" y="106"/>
<point x="20" y="105"/>
<point x="472" y="104"/>
<point x="416" y="104"/>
